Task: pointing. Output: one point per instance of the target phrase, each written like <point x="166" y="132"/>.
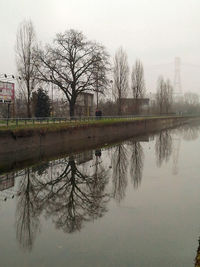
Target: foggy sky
<point x="154" y="31"/>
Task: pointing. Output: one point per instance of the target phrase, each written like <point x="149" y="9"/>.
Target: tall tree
<point x="168" y="95"/>
<point x="191" y="102"/>
<point x="26" y="40"/>
<point x="137" y="83"/>
<point x="160" y="94"/>
<point x="72" y="63"/>
<point x="42" y="105"/>
<point x="137" y="80"/>
<point x="120" y="77"/>
<point x="164" y="95"/>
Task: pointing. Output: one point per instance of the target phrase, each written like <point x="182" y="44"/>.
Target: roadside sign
<point x="7" y="92"/>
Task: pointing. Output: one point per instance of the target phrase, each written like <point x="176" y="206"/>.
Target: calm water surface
<point x="133" y="204"/>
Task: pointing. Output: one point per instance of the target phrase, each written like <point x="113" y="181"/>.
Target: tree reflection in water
<point x="163" y="147"/>
<point x="27" y="213"/>
<point x="72" y="194"/>
<point x="136" y="163"/>
<point x="190" y="132"/>
<point x="71" y="199"/>
<point x="66" y="194"/>
<point x="119" y="177"/>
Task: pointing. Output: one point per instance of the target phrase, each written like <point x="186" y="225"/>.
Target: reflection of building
<point x="84" y="157"/>
<point x="84" y="105"/>
<point x="133" y="105"/>
<point x="6" y="181"/>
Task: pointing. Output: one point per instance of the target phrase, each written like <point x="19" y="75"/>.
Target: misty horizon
<point x="153" y="32"/>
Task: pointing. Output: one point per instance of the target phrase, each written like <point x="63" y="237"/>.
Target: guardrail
<point x="47" y="120"/>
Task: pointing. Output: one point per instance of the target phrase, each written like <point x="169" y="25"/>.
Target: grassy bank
<point x="42" y="128"/>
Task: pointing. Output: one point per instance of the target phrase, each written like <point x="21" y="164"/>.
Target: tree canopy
<point x="42" y="105"/>
<point x="72" y="63"/>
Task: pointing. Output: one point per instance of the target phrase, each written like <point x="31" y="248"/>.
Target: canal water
<point x="135" y="203"/>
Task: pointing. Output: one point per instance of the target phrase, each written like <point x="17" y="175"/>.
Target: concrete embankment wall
<point x="24" y="146"/>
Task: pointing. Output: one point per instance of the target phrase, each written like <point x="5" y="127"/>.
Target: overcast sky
<point x="155" y="31"/>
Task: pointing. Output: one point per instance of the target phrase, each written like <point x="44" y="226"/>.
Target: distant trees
<point x="164" y="95"/>
<point x="120" y="77"/>
<point x="77" y="65"/>
<point x="74" y="64"/>
<point x="168" y="95"/>
<point x="42" y="103"/>
<point x="26" y="61"/>
<point x="191" y="102"/>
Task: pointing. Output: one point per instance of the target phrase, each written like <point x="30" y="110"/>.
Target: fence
<point x="32" y="121"/>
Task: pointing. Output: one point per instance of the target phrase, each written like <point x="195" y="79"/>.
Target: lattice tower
<point x="177" y="77"/>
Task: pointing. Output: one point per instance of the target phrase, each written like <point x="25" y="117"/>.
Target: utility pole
<point x="52" y="97"/>
<point x="97" y="89"/>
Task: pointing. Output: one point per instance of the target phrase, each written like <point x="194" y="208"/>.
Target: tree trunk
<point x="119" y="107"/>
<point x="71" y="109"/>
<point x="28" y="102"/>
<point x="28" y="109"/>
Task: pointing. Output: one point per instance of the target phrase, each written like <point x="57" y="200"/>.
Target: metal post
<point x="8" y="111"/>
<point x="52" y="97"/>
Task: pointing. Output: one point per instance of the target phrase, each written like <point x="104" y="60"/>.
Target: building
<point x="84" y="105"/>
<point x="134" y="105"/>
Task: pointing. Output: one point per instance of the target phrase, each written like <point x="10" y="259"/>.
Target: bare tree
<point x="101" y="81"/>
<point x="72" y="63"/>
<point x="164" y="95"/>
<point x="26" y="40"/>
<point x="137" y="80"/>
<point x="168" y="95"/>
<point x="120" y="77"/>
<point x="191" y="102"/>
<point x="160" y="94"/>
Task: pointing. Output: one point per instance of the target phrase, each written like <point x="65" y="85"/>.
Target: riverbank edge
<point x="65" y="137"/>
<point x="26" y="158"/>
<point x="18" y="148"/>
<point x="24" y="138"/>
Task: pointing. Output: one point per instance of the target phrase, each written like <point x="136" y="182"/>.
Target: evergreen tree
<point x="42" y="107"/>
